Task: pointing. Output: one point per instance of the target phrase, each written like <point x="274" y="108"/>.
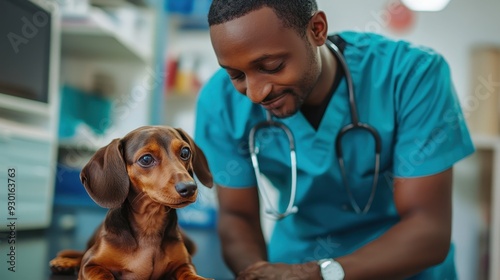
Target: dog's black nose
<point x="186" y="189"/>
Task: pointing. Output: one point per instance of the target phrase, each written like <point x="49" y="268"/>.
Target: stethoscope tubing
<point x="254" y="151"/>
<point x="355" y="124"/>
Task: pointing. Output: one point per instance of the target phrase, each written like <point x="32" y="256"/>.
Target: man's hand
<point x="267" y="271"/>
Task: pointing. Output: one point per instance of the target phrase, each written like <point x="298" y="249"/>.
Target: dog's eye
<point x="146" y="160"/>
<point x="185" y="153"/>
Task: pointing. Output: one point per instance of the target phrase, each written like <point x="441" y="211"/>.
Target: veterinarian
<point x="358" y="134"/>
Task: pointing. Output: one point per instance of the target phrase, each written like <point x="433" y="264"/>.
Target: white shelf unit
<point x="97" y="37"/>
<point x="99" y="43"/>
<point x="492" y="144"/>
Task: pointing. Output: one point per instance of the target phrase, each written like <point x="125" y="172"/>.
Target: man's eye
<point x="236" y="76"/>
<point x="271" y="69"/>
<point x="185" y="153"/>
<point x="146" y="160"/>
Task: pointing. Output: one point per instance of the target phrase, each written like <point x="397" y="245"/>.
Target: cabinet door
<point x="26" y="182"/>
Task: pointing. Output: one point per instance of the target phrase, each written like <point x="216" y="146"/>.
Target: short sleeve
<point x="222" y="135"/>
<point x="431" y="132"/>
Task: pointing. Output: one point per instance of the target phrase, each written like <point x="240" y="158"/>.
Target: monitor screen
<point x="25" y="31"/>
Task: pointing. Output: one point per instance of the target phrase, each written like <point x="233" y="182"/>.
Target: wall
<point x="452" y="32"/>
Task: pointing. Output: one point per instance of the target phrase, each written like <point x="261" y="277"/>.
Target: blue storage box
<point x="193" y="13"/>
<point x="69" y="190"/>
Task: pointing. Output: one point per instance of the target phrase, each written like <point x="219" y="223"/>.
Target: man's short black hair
<point x="293" y="13"/>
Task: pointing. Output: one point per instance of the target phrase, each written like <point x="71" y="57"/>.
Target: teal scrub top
<point x="404" y="91"/>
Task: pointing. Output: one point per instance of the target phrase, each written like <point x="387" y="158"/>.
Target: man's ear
<point x="318" y="28"/>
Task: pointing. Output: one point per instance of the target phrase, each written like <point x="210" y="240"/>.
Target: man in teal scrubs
<point x="274" y="58"/>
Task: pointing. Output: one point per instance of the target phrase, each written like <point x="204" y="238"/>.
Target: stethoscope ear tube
<point x="359" y="126"/>
<point x="254" y="151"/>
<point x="340" y="157"/>
<point x="355" y="125"/>
<point x="269" y="123"/>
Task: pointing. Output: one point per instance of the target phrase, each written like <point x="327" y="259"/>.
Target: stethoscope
<point x="355" y="124"/>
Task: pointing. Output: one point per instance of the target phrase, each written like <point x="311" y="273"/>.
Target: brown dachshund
<point x="142" y="177"/>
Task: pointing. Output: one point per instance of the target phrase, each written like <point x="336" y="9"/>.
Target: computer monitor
<point x="29" y="51"/>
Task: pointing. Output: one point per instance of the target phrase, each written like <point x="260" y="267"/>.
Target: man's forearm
<point x="243" y="243"/>
<point x="409" y="247"/>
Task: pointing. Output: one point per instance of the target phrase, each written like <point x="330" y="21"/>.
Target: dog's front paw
<point x="66" y="262"/>
<point x="64" y="265"/>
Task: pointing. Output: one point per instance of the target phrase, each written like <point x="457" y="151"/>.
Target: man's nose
<point x="257" y="89"/>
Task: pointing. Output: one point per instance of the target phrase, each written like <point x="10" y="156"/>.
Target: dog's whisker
<point x="139" y="197"/>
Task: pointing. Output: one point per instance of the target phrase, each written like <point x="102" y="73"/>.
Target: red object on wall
<point x="171" y="73"/>
<point x="401" y="19"/>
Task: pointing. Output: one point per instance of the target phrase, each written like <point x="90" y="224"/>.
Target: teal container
<point x="78" y="106"/>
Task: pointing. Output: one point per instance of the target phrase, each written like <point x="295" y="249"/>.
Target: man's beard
<point x="298" y="101"/>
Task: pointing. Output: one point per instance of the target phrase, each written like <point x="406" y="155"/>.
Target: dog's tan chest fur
<point x="148" y="263"/>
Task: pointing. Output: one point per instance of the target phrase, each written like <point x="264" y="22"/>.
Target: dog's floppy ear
<point x="105" y="176"/>
<point x="200" y="164"/>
